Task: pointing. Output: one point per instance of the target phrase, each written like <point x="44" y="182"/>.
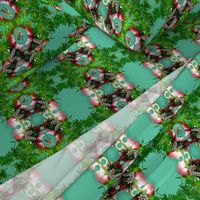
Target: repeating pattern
<point x="25" y="42"/>
<point x="107" y="89"/>
<point x="37" y="120"/>
<point x="25" y="47"/>
<point x="144" y="32"/>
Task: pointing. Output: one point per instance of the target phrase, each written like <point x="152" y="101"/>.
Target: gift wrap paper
<point x="99" y="100"/>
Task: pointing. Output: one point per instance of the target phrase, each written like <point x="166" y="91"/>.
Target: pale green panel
<point x="112" y="154"/>
<point x="84" y="188"/>
<point x="99" y="38"/>
<point x="185" y="82"/>
<point x="162" y="101"/>
<point x="6" y="138"/>
<point x="143" y="129"/>
<point x="68" y="9"/>
<point x="151" y="163"/>
<point x="162" y="172"/>
<point x="59" y="37"/>
<point x="188" y="48"/>
<point x="167" y="62"/>
<point x="137" y="74"/>
<point x="195" y="151"/>
<point x="78" y="104"/>
<point x="123" y="195"/>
